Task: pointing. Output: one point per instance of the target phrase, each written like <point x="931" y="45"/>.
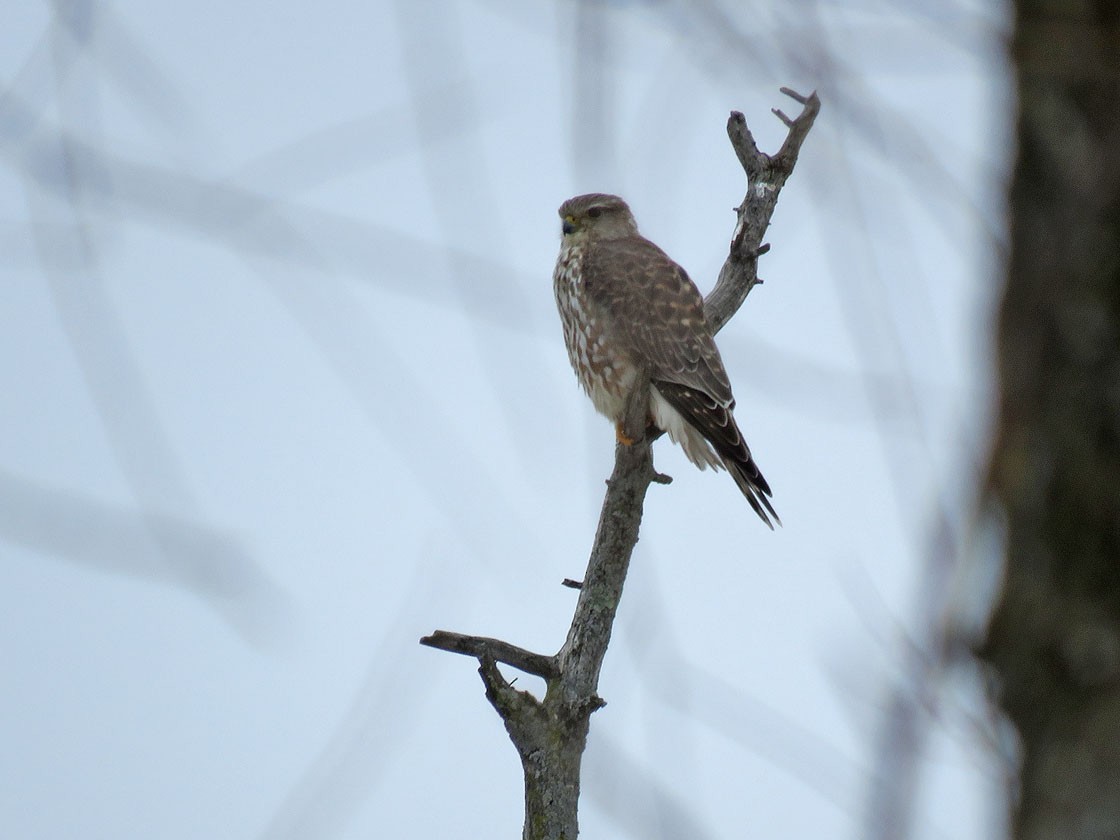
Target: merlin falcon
<point x="634" y="323"/>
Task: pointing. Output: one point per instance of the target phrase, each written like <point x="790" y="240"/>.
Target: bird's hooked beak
<point x="569" y="225"/>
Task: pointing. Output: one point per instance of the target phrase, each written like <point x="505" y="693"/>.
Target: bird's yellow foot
<point x="622" y="437"/>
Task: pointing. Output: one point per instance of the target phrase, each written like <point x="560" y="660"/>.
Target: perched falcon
<point x="633" y="319"/>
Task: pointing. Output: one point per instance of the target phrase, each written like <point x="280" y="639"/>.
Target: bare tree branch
<point x="550" y="734"/>
<point x="482" y="646"/>
<point x="766" y="176"/>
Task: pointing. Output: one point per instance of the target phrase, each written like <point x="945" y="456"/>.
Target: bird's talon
<point x="622" y="437"/>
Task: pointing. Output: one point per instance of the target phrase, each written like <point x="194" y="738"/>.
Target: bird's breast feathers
<point x="604" y="370"/>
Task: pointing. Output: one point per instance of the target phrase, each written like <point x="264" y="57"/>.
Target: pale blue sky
<point x="287" y="391"/>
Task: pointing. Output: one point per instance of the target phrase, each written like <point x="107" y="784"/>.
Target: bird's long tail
<point x="752" y="484"/>
<point x="716" y="424"/>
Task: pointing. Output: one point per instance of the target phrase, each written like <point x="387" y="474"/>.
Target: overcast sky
<point x="286" y="390"/>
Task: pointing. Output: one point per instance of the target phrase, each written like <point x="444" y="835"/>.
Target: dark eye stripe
<point x="595" y="212"/>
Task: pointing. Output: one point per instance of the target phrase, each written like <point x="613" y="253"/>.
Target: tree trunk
<point x="1054" y="639"/>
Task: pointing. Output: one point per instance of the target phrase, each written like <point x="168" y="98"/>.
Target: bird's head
<point x="597" y="216"/>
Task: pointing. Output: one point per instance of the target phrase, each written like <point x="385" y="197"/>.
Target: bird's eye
<point x="595" y="212"/>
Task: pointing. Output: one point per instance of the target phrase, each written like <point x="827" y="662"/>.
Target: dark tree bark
<point x="1054" y="638"/>
<point x="550" y="734"/>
